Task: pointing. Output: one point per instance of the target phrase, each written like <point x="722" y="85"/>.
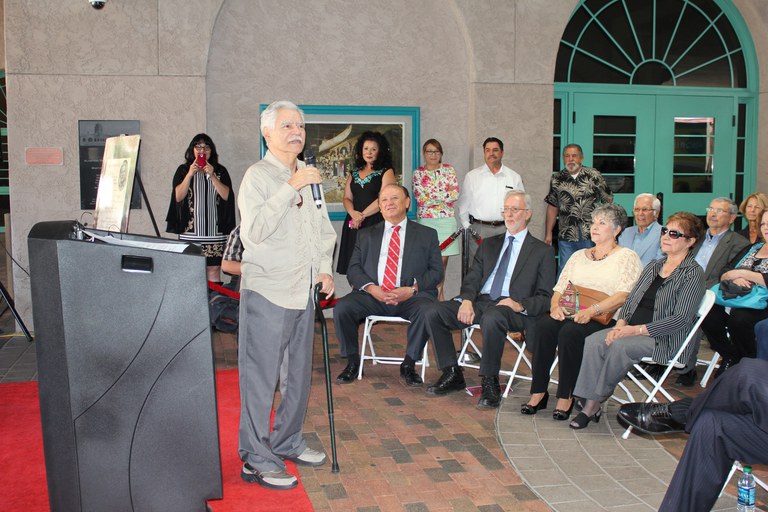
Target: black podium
<point x="126" y="373"/>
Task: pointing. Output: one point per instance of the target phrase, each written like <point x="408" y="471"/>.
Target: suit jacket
<point x="727" y="249"/>
<point x="532" y="279"/>
<point x="422" y="260"/>
<point x="650" y="248"/>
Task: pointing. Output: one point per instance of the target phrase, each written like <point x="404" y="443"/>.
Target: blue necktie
<point x="501" y="271"/>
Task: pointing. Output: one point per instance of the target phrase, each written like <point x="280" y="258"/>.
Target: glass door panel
<point x="613" y="130"/>
<point x="694" y="150"/>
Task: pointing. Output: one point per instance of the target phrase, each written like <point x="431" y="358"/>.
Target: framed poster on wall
<point x="332" y="132"/>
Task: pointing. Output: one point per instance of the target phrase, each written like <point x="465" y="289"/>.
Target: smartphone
<point x="200" y="160"/>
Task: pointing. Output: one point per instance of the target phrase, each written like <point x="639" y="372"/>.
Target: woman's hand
<point x="208" y="170"/>
<point x="740" y="281"/>
<point x="622" y="331"/>
<point x="557" y="313"/>
<point x="583" y="316"/>
<point x="356" y="219"/>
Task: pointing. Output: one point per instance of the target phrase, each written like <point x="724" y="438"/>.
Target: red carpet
<point x="23" y="487"/>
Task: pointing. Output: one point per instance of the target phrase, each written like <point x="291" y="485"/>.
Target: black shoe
<point x="654" y="370"/>
<point x="452" y="379"/>
<point x="529" y="409"/>
<point x="687" y="379"/>
<point x="491" y="393"/>
<point x="349" y="374"/>
<point x="562" y="415"/>
<point x="582" y="420"/>
<point x="650" y="418"/>
<point x="409" y="375"/>
<point x="725" y="363"/>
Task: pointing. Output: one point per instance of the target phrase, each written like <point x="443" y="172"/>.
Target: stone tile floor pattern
<point x="400" y="449"/>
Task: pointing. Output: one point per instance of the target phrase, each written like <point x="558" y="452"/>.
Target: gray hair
<point x="733" y="208"/>
<point x="527" y="197"/>
<point x="269" y="115"/>
<point x="613" y="212"/>
<point x="656" y="202"/>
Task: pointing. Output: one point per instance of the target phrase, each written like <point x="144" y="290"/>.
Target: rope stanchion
<point x="324" y="304"/>
<point x="448" y="241"/>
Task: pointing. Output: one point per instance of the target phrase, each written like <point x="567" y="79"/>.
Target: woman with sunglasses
<point x="202" y="208"/>
<point x="654" y="321"/>
<point x="748" y="268"/>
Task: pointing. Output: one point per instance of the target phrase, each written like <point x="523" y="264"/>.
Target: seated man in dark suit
<point x="394" y="271"/>
<point x="727" y="422"/>
<point x="510" y="282"/>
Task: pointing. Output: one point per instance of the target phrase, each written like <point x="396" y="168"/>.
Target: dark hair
<point x="493" y="139"/>
<point x="405" y="190"/>
<point x="383" y="158"/>
<point x="690" y="223"/>
<point x="189" y="156"/>
<point x="435" y="143"/>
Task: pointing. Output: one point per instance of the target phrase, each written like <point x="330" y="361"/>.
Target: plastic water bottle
<point x="746" y="501"/>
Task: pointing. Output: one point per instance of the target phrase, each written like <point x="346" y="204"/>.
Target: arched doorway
<point x="661" y="94"/>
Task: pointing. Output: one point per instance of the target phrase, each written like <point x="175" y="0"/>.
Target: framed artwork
<point x="92" y="136"/>
<point x="332" y="132"/>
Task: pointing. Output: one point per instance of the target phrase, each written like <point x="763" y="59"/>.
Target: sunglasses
<point x="673" y="234"/>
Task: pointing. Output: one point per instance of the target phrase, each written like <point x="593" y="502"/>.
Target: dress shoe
<point x="582" y="420"/>
<point x="725" y="363"/>
<point x="650" y="418"/>
<point x="563" y="414"/>
<point x="654" y="370"/>
<point x="409" y="375"/>
<point x="687" y="379"/>
<point x="491" y="393"/>
<point x="349" y="374"/>
<point x="529" y="409"/>
<point x="452" y="379"/>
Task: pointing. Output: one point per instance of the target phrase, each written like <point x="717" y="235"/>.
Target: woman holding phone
<point x="202" y="208"/>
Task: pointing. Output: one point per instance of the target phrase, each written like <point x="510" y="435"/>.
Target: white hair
<point x="656" y="202"/>
<point x="269" y="115"/>
<point x="527" y="197"/>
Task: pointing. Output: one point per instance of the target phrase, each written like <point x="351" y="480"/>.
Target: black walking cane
<point x="326" y="361"/>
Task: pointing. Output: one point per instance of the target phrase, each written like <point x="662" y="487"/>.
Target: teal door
<point x="680" y="146"/>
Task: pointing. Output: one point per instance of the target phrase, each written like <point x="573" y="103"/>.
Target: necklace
<point x="595" y="258"/>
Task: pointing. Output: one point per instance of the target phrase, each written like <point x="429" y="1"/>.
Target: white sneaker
<point x="308" y="457"/>
<point x="277" y="479"/>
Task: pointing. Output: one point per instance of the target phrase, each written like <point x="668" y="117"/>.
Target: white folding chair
<point x="738" y="467"/>
<point x="518" y="344"/>
<point x="372" y="320"/>
<point x="706" y="304"/>
<point x="711" y="365"/>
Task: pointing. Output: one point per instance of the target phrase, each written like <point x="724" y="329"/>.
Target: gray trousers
<point x="268" y="335"/>
<point x="485" y="232"/>
<point x="604" y="366"/>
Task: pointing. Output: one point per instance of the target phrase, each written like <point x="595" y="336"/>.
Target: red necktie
<point x="390" y="272"/>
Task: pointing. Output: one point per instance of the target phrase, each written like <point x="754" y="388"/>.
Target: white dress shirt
<point x="482" y="194"/>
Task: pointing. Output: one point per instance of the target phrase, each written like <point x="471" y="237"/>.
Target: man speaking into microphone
<point x="288" y="247"/>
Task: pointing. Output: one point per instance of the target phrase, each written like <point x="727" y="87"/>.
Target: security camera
<point x="98" y="4"/>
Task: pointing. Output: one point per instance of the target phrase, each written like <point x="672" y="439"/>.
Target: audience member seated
<point x="733" y="335"/>
<point x="644" y="237"/>
<point x="727" y="422"/>
<point x="718" y="247"/>
<point x="508" y="285"/>
<point x="654" y="321"/>
<point x="761" y="339"/>
<point x="394" y="271"/>
<point x="750" y="208"/>
<point x="606" y="268"/>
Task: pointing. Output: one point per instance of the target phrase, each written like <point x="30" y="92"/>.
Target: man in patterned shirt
<point x="574" y="193"/>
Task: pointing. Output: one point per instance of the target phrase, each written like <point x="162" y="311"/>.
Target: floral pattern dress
<point x="436" y="192"/>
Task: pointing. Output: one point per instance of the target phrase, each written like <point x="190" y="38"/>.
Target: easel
<point x="10" y="305"/>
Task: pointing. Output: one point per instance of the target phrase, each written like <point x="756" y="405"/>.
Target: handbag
<point x="726" y="296"/>
<point x="577" y="297"/>
<point x="730" y="295"/>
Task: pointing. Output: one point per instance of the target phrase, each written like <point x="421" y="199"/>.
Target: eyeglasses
<point x="673" y="234"/>
<point x="202" y="147"/>
<point x="717" y="210"/>
<point x="512" y="209"/>
<point x="435" y="152"/>
<point x="644" y="210"/>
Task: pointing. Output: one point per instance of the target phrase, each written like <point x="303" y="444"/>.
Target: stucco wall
<point x="475" y="67"/>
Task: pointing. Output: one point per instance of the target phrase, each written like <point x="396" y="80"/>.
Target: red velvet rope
<point x="324" y="304"/>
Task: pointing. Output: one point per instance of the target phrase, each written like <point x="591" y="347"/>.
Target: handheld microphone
<point x="309" y="159"/>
